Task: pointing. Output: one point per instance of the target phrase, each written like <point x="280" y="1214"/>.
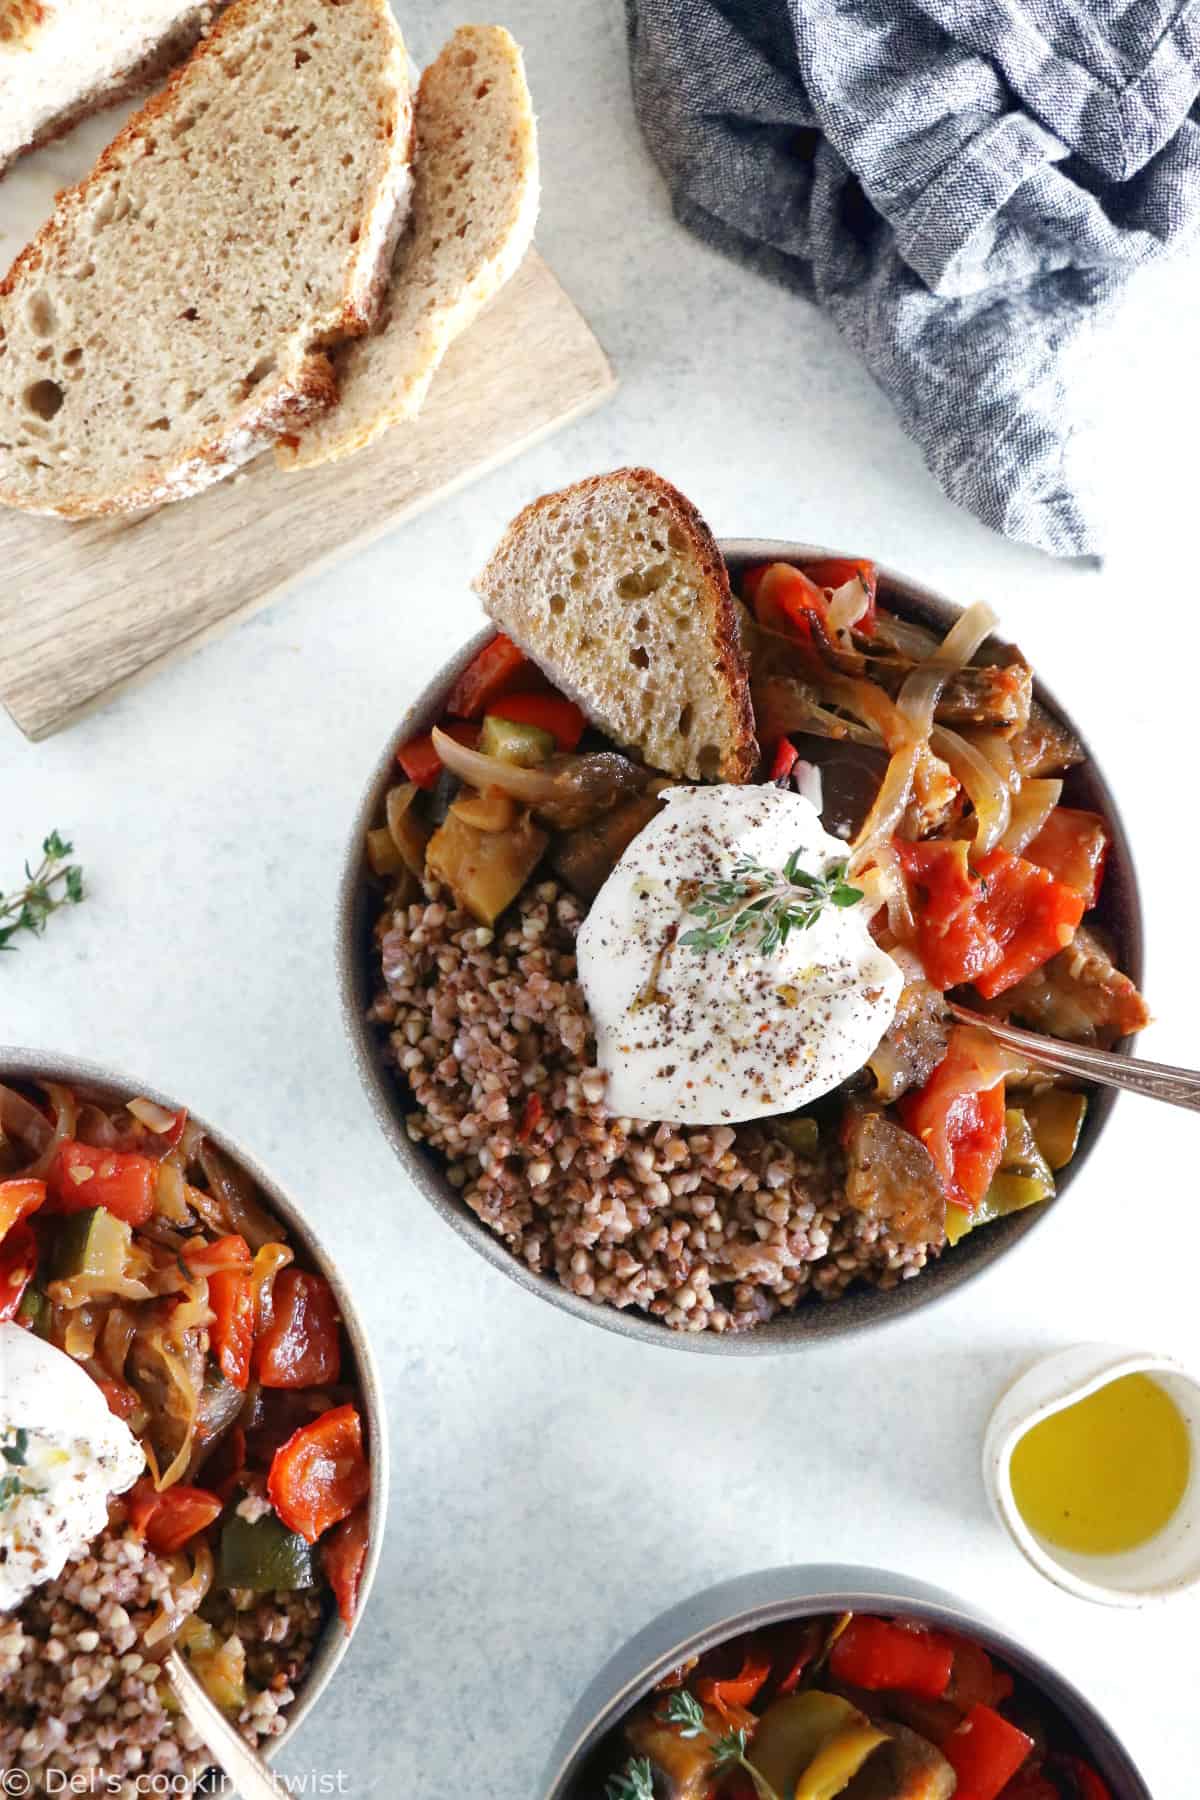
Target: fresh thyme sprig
<point x="54" y="883"/>
<point x="635" y="1782"/>
<point x="729" y="1747"/>
<point x="770" y="903"/>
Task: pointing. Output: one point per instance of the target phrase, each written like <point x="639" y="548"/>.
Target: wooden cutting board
<point x="86" y="608"/>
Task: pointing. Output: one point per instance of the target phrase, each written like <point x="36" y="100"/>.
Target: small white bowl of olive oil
<point x="1092" y="1465"/>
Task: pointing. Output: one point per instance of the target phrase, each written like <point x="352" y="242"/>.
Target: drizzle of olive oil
<point x="1105" y="1474"/>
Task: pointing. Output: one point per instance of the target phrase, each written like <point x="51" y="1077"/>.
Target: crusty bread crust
<point x="297" y="393"/>
<point x="464" y="241"/>
<point x="740" y="753"/>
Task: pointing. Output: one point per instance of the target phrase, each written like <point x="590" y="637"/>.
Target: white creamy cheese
<point x="705" y="1037"/>
<point x="62" y="1453"/>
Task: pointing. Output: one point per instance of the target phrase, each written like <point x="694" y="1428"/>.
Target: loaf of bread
<point x="475" y="201"/>
<point x="617" y="589"/>
<point x="174" y="315"/>
<point x="63" y="59"/>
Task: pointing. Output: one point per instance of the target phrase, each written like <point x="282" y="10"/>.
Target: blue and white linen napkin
<point x="965" y="185"/>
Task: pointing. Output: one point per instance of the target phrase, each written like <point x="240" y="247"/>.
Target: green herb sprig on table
<point x="767" y="904"/>
<point x="54" y="883"/>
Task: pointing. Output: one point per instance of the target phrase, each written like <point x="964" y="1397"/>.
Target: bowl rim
<point x="764" y="1597"/>
<point x="19" y="1063"/>
<point x="788" y="1332"/>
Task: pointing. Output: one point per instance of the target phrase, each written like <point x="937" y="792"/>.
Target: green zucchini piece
<point x="94" y="1242"/>
<point x="511" y="741"/>
<point x="263" y="1554"/>
<point x="1056" y="1116"/>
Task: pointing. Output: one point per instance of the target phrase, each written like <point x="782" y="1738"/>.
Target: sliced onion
<point x="847" y="605"/>
<point x="1030" y="810"/>
<point x="156" y="1118"/>
<point x="529" y="785"/>
<point x="21" y="1120"/>
<point x="95" y="1127"/>
<point x="243" y="1212"/>
<point x="267" y="1263"/>
<point x="170" y="1195"/>
<point x="787" y="705"/>
<point x="865" y="701"/>
<point x="115" y="1339"/>
<point x="988" y="792"/>
<point x="883" y="884"/>
<point x="881" y="823"/>
<point x="806" y="778"/>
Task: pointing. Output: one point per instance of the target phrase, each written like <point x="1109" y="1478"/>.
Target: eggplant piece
<point x="1080" y="994"/>
<point x="913" y="1044"/>
<point x="485" y="870"/>
<point x="1044" y="747"/>
<point x="684" y="1766"/>
<point x="168" y="1374"/>
<point x="992" y="696"/>
<point x="906" y="1768"/>
<point x="587" y="856"/>
<point x="890" y="1176"/>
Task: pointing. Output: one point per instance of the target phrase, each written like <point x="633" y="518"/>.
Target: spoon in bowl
<point x="244" y="1767"/>
<point x="1108" y="1068"/>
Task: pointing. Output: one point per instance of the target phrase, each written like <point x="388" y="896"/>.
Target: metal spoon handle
<point x="244" y="1767"/>
<point x="1157" y="1081"/>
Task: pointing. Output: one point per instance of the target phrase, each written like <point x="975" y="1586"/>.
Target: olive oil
<point x="1105" y="1474"/>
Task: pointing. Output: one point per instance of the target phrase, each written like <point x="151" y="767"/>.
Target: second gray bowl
<point x="861" y="1309"/>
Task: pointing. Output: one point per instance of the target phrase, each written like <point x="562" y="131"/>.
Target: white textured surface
<point x="554" y="1486"/>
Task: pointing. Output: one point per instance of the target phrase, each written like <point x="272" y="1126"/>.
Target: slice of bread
<point x="475" y="202"/>
<point x="63" y="59"/>
<point x="617" y="589"/>
<point x="171" y="318"/>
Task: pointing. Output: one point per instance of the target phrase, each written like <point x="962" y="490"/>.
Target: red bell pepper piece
<point x="985" y="1752"/>
<point x="1074" y="847"/>
<point x="961" y="1125"/>
<point x="301" y="1346"/>
<point x="784" y="760"/>
<point x="531" y="1114"/>
<point x="486" y="678"/>
<point x="882" y="1657"/>
<point x="226" y="1262"/>
<point x="320" y="1475"/>
<point x="169" y="1519"/>
<point x="19" y="1198"/>
<point x="18" y="1260"/>
<point x="122" y="1181"/>
<point x="343" y="1557"/>
<point x="1028" y="916"/>
<point x="834" y="571"/>
<point x="992" y="925"/>
<point x="785" y="600"/>
<point x="736" y="1690"/>
<point x="549" y="712"/>
<point x="421" y="762"/>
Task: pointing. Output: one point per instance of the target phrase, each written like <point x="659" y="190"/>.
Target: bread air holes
<point x="40" y="315"/>
<point x="43" y="398"/>
<point x="639" y="656"/>
<point x="685" y="721"/>
<point x="639" y="584"/>
<point x="710" y="762"/>
<point x="558" y="604"/>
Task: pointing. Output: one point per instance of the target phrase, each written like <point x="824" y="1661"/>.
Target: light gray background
<point x="554" y="1486"/>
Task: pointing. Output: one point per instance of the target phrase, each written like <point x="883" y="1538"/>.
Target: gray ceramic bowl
<point x="860" y="1309"/>
<point x="104" y="1086"/>
<point x="749" y="1602"/>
